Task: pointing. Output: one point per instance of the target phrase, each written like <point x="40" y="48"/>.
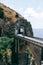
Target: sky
<point x="32" y="10"/>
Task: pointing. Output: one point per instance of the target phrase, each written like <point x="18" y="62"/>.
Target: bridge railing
<point x="30" y="39"/>
<point x="36" y="42"/>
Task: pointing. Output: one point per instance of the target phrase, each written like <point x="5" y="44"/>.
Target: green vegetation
<point x="1" y="13"/>
<point x="5" y="45"/>
<point x="28" y="51"/>
<point x="5" y="42"/>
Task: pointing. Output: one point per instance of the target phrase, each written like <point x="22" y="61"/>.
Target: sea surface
<point x="38" y="33"/>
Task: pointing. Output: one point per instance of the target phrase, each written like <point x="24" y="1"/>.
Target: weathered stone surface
<point x="13" y="21"/>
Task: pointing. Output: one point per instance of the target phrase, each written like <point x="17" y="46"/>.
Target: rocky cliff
<point x="11" y="22"/>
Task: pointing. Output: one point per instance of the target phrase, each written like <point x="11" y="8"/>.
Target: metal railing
<point x="34" y="41"/>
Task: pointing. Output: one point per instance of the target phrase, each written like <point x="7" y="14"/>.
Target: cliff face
<point x="11" y="22"/>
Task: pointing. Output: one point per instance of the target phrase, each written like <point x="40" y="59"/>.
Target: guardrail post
<point x="41" y="61"/>
<point x="17" y="51"/>
<point x="13" y="52"/>
<point x="27" y="59"/>
<point x="14" y="48"/>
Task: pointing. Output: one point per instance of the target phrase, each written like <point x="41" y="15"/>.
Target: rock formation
<point x="10" y="21"/>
